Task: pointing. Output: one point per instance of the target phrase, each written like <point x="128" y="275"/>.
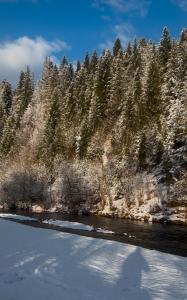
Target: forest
<point x="108" y="135"/>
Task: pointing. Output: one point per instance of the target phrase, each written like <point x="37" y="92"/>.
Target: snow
<point x="75" y="225"/>
<point x="129" y="235"/>
<point x="104" y="231"/>
<point x="44" y="264"/>
<point x="65" y="224"/>
<point x="68" y="224"/>
<point x="17" y="217"/>
<point x="52" y="209"/>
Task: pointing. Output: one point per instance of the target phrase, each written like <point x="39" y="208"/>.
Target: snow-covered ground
<point x="67" y="224"/>
<point x="44" y="264"/>
<point x="101" y="230"/>
<point x="76" y="225"/>
<point x="16" y="217"/>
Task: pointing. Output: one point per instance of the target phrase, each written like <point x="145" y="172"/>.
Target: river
<point x="162" y="237"/>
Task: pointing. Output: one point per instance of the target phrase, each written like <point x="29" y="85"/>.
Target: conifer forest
<point x="107" y="136"/>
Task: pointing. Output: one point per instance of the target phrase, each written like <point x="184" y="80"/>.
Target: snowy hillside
<point x="107" y="137"/>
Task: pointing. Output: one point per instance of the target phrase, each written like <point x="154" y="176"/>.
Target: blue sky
<point x="32" y="29"/>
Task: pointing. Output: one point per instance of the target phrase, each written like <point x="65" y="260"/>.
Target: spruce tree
<point x="129" y="49"/>
<point x="183" y="37"/>
<point x="142" y="155"/>
<point x="153" y="92"/>
<point x="51" y="144"/>
<point x="93" y="62"/>
<point x="22" y="98"/>
<point x="86" y="62"/>
<point x="6" y="96"/>
<point x="66" y="75"/>
<point x="165" y="48"/>
<point x="116" y="88"/>
<point x="117" y="47"/>
<point x="101" y="88"/>
<point x="78" y="67"/>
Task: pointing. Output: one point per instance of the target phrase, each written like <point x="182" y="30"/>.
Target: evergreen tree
<point x="165" y="48"/>
<point x="116" y="87"/>
<point x="117" y="47"/>
<point x="22" y="98"/>
<point x="50" y="78"/>
<point x="86" y="63"/>
<point x="78" y="67"/>
<point x="66" y="75"/>
<point x="130" y="116"/>
<point x="153" y="92"/>
<point x="183" y="37"/>
<point x="93" y="62"/>
<point x="51" y="144"/>
<point x="6" y="96"/>
<point x="101" y="88"/>
<point x="134" y="98"/>
<point x="142" y="155"/>
<point x="129" y="49"/>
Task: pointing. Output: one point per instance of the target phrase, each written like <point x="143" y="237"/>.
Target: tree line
<point x="135" y="97"/>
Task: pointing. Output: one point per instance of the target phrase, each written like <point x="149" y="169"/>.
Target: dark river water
<point x="163" y="237"/>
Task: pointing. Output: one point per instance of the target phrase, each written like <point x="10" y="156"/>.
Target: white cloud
<point x="108" y="44"/>
<point x="124" y="31"/>
<point x="17" y="54"/>
<point x="181" y="3"/>
<point x="140" y="6"/>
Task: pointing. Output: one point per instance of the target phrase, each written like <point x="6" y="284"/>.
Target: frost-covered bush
<point x="22" y="186"/>
<point x="76" y="185"/>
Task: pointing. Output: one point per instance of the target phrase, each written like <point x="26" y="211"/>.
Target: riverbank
<point x="164" y="217"/>
<point x="45" y="264"/>
<point x="162" y="237"/>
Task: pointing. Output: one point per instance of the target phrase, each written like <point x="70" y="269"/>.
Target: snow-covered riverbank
<point x="44" y="264"/>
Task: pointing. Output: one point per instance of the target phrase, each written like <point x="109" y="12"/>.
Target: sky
<point x="30" y="30"/>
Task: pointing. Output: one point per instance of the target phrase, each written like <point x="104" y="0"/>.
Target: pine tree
<point x="86" y="62"/>
<point x="66" y="75"/>
<point x="93" y="62"/>
<point x="101" y="88"/>
<point x="129" y="49"/>
<point x="130" y="116"/>
<point x="170" y="94"/>
<point x="117" y="47"/>
<point x="139" y="102"/>
<point x="136" y="58"/>
<point x="49" y="79"/>
<point x="6" y="96"/>
<point x="153" y="92"/>
<point x="142" y="155"/>
<point x="22" y="98"/>
<point x="164" y="48"/>
<point x="116" y="88"/>
<point x="183" y="37"/>
<point x="78" y="67"/>
<point x="51" y="144"/>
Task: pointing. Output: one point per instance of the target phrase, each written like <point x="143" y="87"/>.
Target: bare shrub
<point x="76" y="186"/>
<point x="21" y="187"/>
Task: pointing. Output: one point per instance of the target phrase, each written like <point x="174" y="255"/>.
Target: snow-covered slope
<point x="43" y="265"/>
